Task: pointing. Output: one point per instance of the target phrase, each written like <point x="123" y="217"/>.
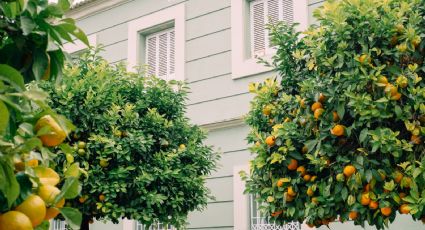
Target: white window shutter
<point x="163" y="55"/>
<point x="273" y="11"/>
<point x="287" y="11"/>
<point x="258" y="28"/>
<point x="172" y="52"/>
<point x="151" y="57"/>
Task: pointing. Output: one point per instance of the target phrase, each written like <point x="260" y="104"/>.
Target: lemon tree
<point x="144" y="159"/>
<point x="339" y="134"/>
<point x="31" y="133"/>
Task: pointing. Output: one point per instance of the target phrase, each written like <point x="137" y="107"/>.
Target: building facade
<point x="212" y="45"/>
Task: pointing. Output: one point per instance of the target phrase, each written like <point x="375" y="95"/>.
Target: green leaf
<point x="35" y="95"/>
<point x="4" y="118"/>
<point x="12" y="76"/>
<point x="363" y="135"/>
<point x="9" y="186"/>
<point x="25" y="186"/>
<point x="72" y="216"/>
<point x="73" y="171"/>
<point x="69" y="190"/>
<point x="45" y="225"/>
<point x="64" y="4"/>
<point x="27" y="25"/>
<point x="40" y="64"/>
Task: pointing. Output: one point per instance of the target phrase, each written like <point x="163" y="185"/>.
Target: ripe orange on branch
<point x="55" y="136"/>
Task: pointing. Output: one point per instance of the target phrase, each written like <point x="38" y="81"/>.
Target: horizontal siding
<point x="216" y="21"/>
<point x="221" y="188"/>
<point x="209" y="45"/>
<point x="123" y="14"/>
<point x="229" y="139"/>
<point x="212" y="66"/>
<point x="215" y="215"/>
<point x="313" y="5"/>
<point x="228" y="161"/>
<point x="220" y="109"/>
<point x="214" y="228"/>
<point x="113" y="35"/>
<point x="115" y="52"/>
<point x="198" y="8"/>
<point x="221" y="86"/>
<point x="100" y="225"/>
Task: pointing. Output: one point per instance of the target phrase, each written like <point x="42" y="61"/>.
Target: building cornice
<point x="233" y="122"/>
<point x="92" y="7"/>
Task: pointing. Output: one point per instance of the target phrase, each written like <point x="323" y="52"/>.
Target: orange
<point x="404" y="209"/>
<point x="310" y="192"/>
<point x="291" y="191"/>
<point x="386" y="211"/>
<point x="322" y="98"/>
<point x="415" y="139"/>
<point x="318" y="113"/>
<point x="313" y="178"/>
<point x="55" y="136"/>
<point x="373" y="205"/>
<point x="293" y="165"/>
<point x="307" y="177"/>
<point x="51" y="213"/>
<point x="314" y="200"/>
<point x="349" y="170"/>
<point x="48" y="193"/>
<point x="267" y="110"/>
<point x="365" y="199"/>
<point x="275" y="214"/>
<point x="407" y="182"/>
<point x="32" y="163"/>
<point x="364" y="59"/>
<point x="101" y="197"/>
<point x="402" y="81"/>
<point x="398" y="176"/>
<point x="366" y="188"/>
<point x="338" y="130"/>
<point x="391" y="89"/>
<point x="316" y="105"/>
<point x="353" y="215"/>
<point x="47" y="176"/>
<point x="270" y="140"/>
<point x="289" y="198"/>
<point x="335" y="116"/>
<point x="82" y="199"/>
<point x="383" y="81"/>
<point x="34" y="208"/>
<point x="304" y="149"/>
<point x="103" y="163"/>
<point x="301" y="170"/>
<point x="402" y="195"/>
<point x="14" y="220"/>
<point x="396" y="96"/>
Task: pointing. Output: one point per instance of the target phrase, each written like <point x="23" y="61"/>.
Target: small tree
<point x="31" y="36"/>
<point x="341" y="134"/>
<point x="144" y="160"/>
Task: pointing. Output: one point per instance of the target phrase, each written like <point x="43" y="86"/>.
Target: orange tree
<point x="145" y="161"/>
<point x="341" y="134"/>
<point x="31" y="134"/>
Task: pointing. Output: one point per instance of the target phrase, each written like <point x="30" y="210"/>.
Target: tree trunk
<point x="85" y="223"/>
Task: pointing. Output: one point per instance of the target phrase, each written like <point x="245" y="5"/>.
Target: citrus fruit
<point x="404" y="209"/>
<point x="365" y="199"/>
<point x="316" y="105"/>
<point x="101" y="197"/>
<point x="307" y="177"/>
<point x="304" y="149"/>
<point x="349" y="170"/>
<point x="398" y="176"/>
<point x="340" y="177"/>
<point x="335" y="116"/>
<point x="55" y="136"/>
<point x="34" y="208"/>
<point x="314" y="200"/>
<point x="415" y="139"/>
<point x="373" y="205"/>
<point x="293" y="165"/>
<point x="32" y="163"/>
<point x="383" y="81"/>
<point x="402" y="81"/>
<point x="103" y="163"/>
<point x="47" y="176"/>
<point x="270" y="140"/>
<point x="386" y="211"/>
<point x="267" y="110"/>
<point x="291" y="191"/>
<point x="14" y="220"/>
<point x="338" y="130"/>
<point x="301" y="169"/>
<point x="322" y="98"/>
<point x="81" y="144"/>
<point x="48" y="193"/>
<point x="275" y="214"/>
<point x="270" y="199"/>
<point x="310" y="192"/>
<point x="364" y="59"/>
<point x="280" y="182"/>
<point x="318" y="113"/>
<point x="391" y="89"/>
<point x="353" y="215"/>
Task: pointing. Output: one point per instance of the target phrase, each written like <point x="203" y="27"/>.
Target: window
<point x="157" y="226"/>
<point x="158" y="40"/>
<point x="259" y="222"/>
<point x="263" y="12"/>
<point x="58" y="225"/>
<point x="160" y="54"/>
<point x="250" y="38"/>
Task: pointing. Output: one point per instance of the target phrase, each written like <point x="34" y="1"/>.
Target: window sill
<point x="249" y="67"/>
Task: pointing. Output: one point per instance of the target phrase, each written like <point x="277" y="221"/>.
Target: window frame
<point x="138" y="29"/>
<point x="243" y="64"/>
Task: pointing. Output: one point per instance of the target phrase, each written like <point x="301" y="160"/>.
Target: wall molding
<point x="92" y="7"/>
<point x="228" y="123"/>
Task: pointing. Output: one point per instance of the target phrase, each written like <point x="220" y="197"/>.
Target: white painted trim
<point x="233" y="122"/>
<point x="128" y="224"/>
<point x="90" y="8"/>
<point x="174" y="14"/>
<point x="242" y="64"/>
<point x="240" y="200"/>
<point x="79" y="45"/>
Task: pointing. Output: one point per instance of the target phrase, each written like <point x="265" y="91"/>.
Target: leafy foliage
<point x="341" y="134"/>
<point x="144" y="160"/>
<point x="31" y="34"/>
